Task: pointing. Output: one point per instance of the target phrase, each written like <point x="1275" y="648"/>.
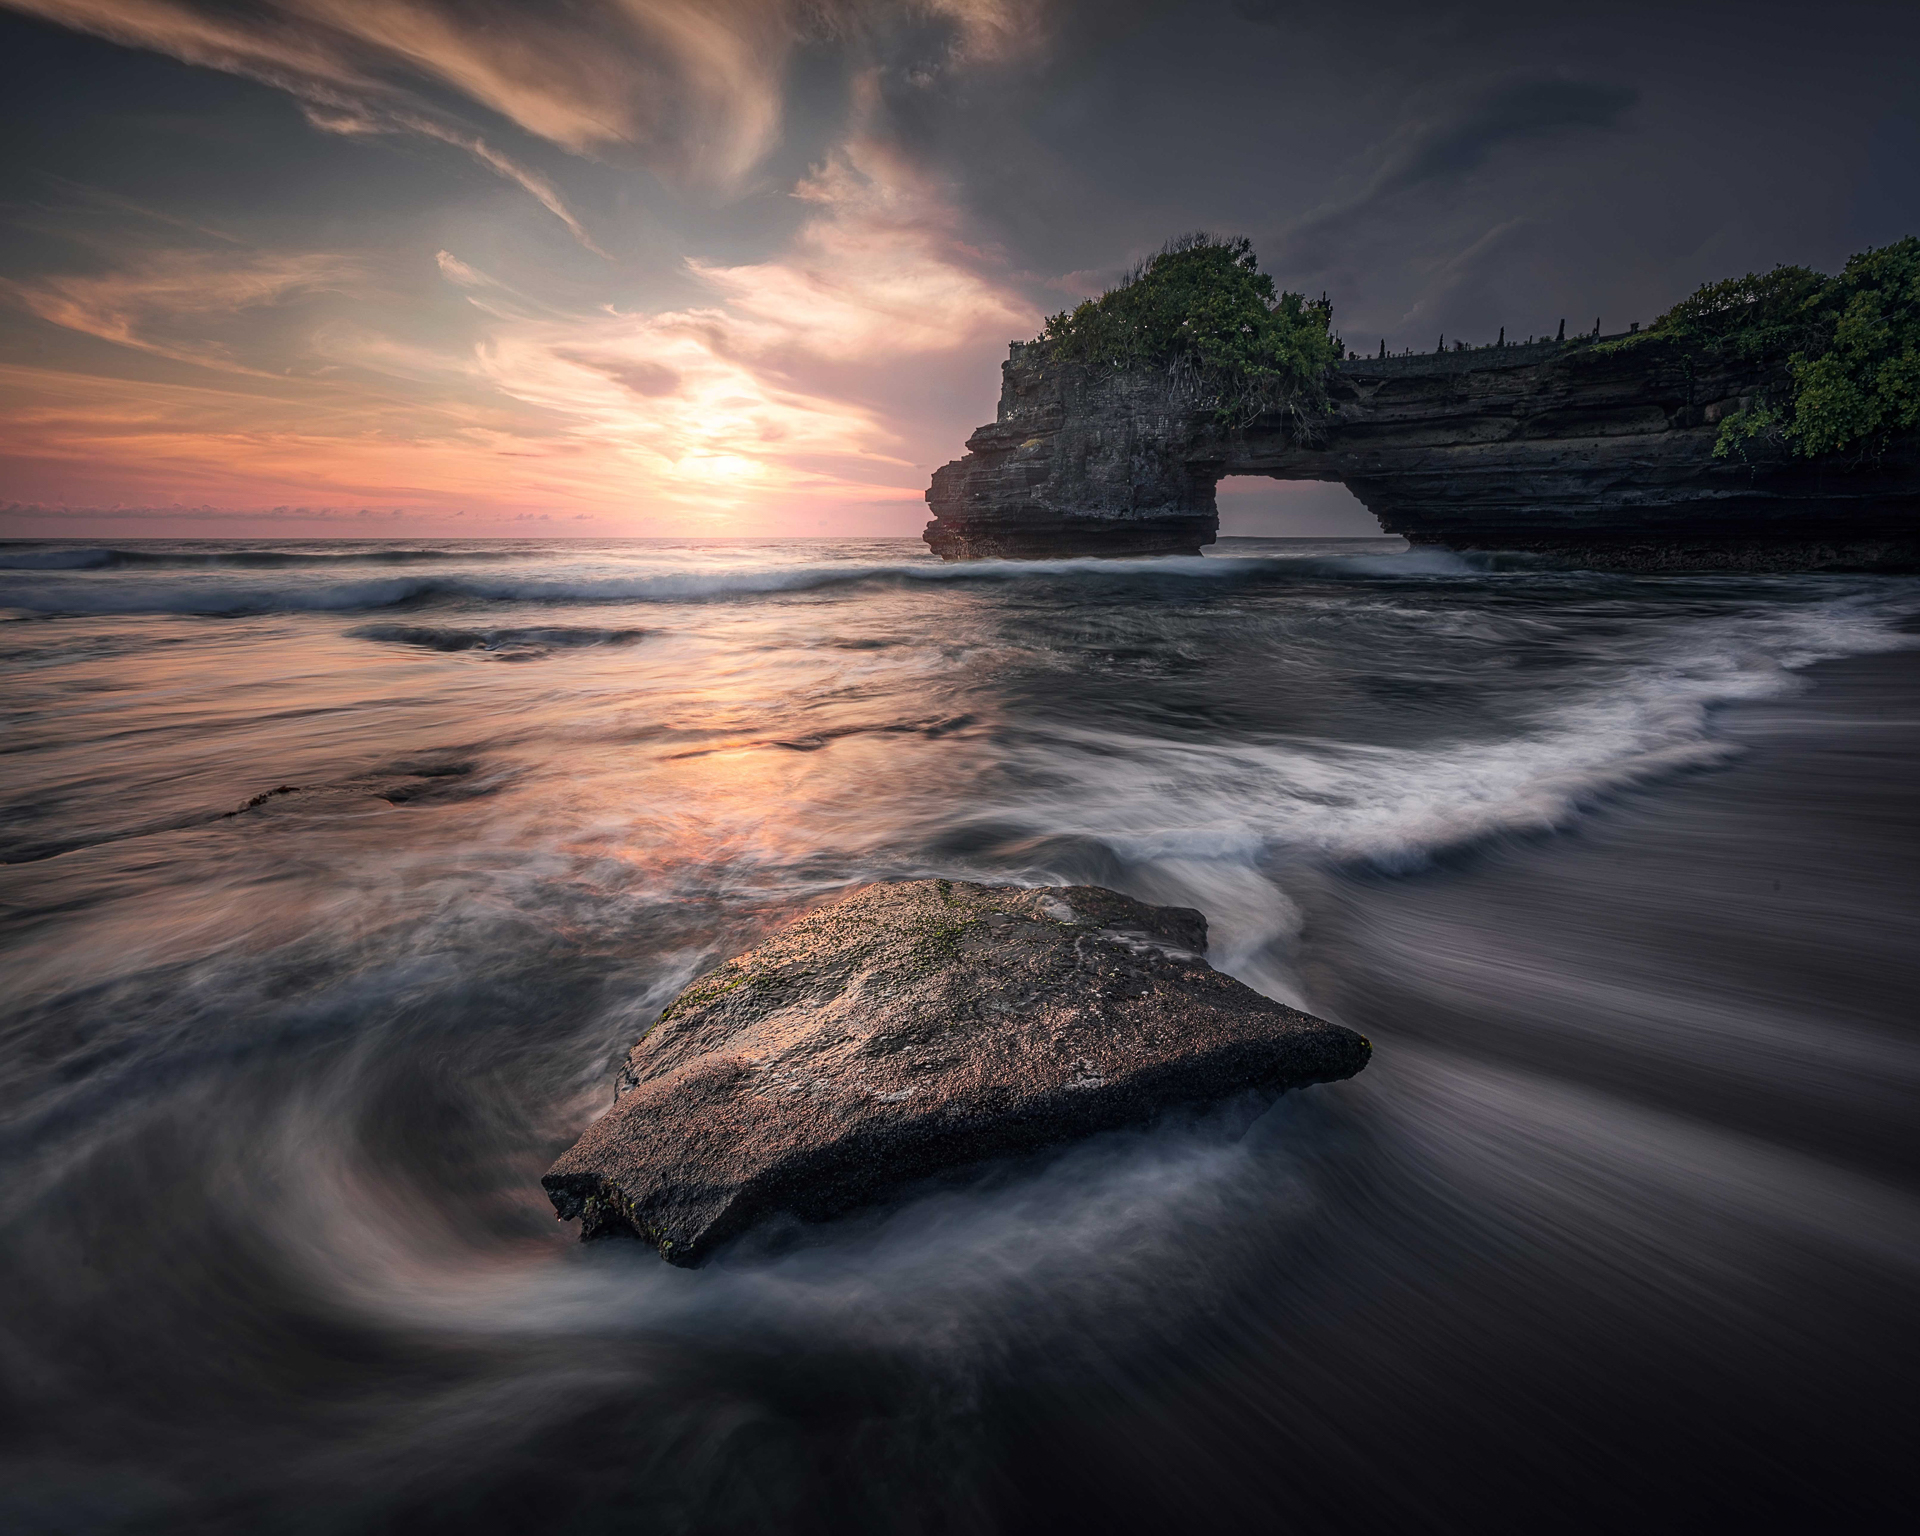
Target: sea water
<point x="339" y="875"/>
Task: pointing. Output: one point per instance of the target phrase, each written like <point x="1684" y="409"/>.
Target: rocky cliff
<point x="1602" y="452"/>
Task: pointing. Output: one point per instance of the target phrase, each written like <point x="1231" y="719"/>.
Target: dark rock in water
<point x="1598" y="454"/>
<point x="524" y="644"/>
<point x="911" y="1027"/>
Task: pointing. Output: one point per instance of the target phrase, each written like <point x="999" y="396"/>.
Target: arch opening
<point x="1261" y="507"/>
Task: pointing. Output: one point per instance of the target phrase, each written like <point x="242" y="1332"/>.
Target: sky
<point x="441" y="268"/>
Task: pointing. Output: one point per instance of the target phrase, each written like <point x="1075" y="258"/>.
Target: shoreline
<point x="1779" y="882"/>
<point x="1624" y="1216"/>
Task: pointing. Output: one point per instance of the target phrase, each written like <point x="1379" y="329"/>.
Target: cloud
<point x="314" y="50"/>
<point x="1517" y="110"/>
<point x="881" y="270"/>
<point x="778" y="388"/>
<point x="1441" y="151"/>
<point x="1472" y="268"/>
<point x="636" y="374"/>
<point x="163" y="303"/>
<point x="993" y="30"/>
<point x="270" y="49"/>
<point x="767" y="389"/>
<point x="696" y="82"/>
<point x="457" y="271"/>
<point x="531" y="182"/>
<point x="695" y="86"/>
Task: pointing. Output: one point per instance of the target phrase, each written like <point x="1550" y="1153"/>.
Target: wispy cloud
<point x="531" y="182"/>
<point x="1468" y="267"/>
<point x="1512" y="111"/>
<point x="991" y="30"/>
<point x="326" y="54"/>
<point x="775" y="386"/>
<point x="1443" y="148"/>
<point x="748" y="395"/>
<point x="769" y="394"/>
<point x="880" y="269"/>
<point x="161" y="304"/>
<point x="696" y="86"/>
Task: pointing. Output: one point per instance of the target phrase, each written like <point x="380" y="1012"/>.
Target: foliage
<point x="1204" y="310"/>
<point x="1865" y="385"/>
<point x="1846" y="350"/>
<point x="1748" y="318"/>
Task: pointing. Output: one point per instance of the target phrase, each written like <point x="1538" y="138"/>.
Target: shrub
<point x="1204" y="310"/>
<point x="1863" y="386"/>
<point x="1846" y="350"/>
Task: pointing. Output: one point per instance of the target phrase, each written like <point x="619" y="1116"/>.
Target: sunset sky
<point x="730" y="267"/>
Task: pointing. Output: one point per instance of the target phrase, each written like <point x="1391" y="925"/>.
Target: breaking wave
<point x="1395" y="806"/>
<point x="323" y="957"/>
<point x="227" y="598"/>
<point x="87" y="557"/>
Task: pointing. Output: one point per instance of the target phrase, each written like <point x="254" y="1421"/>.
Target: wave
<point x="531" y="640"/>
<point x="220" y="599"/>
<point x="55" y="559"/>
<point x="1218" y="824"/>
<point x="90" y="557"/>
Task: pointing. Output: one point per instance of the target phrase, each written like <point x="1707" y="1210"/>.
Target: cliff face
<point x="1077" y="463"/>
<point x="1605" y="455"/>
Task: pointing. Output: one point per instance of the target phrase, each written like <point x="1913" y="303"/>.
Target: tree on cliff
<point x="1204" y="310"/>
<point x="1845" y="349"/>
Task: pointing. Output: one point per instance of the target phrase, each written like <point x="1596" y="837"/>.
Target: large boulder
<point x="910" y="1027"/>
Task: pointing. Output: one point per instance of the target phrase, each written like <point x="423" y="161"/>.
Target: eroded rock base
<point x="1887" y="556"/>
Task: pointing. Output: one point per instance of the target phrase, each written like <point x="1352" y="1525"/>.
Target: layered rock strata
<point x="1600" y="453"/>
<point x="911" y="1027"/>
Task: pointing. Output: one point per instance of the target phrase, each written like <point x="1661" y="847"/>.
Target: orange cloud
<point x="772" y="391"/>
<point x="148" y="305"/>
<point x="880" y="271"/>
<point x="733" y="413"/>
<point x="697" y="85"/>
<point x="740" y="393"/>
<point x="334" y="56"/>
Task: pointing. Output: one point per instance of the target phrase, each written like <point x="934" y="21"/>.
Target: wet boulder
<point x="910" y="1027"/>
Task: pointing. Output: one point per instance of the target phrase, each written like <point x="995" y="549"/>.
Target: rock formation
<point x="1603" y="453"/>
<point x="913" y="1026"/>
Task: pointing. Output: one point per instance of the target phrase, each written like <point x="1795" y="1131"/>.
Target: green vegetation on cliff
<point x="1204" y="310"/>
<point x="1845" y="349"/>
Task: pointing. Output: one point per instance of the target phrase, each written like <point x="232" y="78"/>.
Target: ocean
<point x="338" y="876"/>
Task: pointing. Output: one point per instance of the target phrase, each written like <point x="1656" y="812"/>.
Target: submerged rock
<point x="910" y="1027"/>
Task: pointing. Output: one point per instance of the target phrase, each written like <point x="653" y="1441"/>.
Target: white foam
<point x="1205" y="821"/>
<point x="220" y="593"/>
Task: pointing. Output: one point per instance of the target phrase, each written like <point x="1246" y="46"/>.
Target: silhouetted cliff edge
<point x="1602" y="449"/>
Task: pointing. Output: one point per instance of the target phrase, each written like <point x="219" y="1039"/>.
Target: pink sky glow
<point x="749" y="267"/>
<point x="198" y="382"/>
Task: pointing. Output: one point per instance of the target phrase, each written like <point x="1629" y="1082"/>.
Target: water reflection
<point x="1621" y="1218"/>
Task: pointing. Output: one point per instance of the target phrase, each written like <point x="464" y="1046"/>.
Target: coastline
<point x="1620" y="1219"/>
<point x="1634" y="1161"/>
<point x="1780" y="883"/>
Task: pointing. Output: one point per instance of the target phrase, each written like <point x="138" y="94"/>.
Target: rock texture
<point x="913" y="1026"/>
<point x="1603" y="454"/>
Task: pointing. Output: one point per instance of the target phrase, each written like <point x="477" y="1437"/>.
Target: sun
<point x="727" y="466"/>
